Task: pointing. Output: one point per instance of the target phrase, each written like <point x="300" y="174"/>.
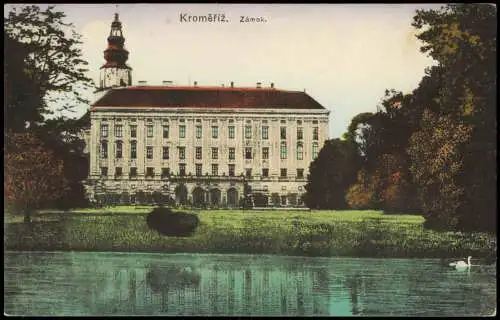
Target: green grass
<point x="315" y="233"/>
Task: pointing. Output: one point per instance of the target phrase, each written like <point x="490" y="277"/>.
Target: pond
<point x="92" y="283"/>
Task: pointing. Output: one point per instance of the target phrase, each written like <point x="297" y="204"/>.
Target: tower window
<point x="215" y="153"/>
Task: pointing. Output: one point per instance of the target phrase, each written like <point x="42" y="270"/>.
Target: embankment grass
<point x="314" y="233"/>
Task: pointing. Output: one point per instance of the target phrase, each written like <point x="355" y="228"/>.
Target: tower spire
<point x="115" y="71"/>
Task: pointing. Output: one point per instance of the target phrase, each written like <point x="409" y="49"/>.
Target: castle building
<point x="198" y="145"/>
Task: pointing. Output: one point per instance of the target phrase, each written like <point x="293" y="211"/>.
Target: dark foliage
<point x="170" y="223"/>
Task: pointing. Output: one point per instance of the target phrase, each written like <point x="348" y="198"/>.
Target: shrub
<point x="171" y="223"/>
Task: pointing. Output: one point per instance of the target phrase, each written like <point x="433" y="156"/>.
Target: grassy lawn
<point x="315" y="233"/>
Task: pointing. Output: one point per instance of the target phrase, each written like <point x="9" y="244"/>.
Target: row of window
<point x="165" y="172"/>
<point x="199" y="151"/>
<point x="199" y="130"/>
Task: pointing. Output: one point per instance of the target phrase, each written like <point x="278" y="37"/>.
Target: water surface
<point x="90" y="283"/>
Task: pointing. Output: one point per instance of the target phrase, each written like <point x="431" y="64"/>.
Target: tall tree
<point x="43" y="55"/>
<point x="331" y="174"/>
<point x="454" y="152"/>
<point x="32" y="174"/>
<point x="52" y="58"/>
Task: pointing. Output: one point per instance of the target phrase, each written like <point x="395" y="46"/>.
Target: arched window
<point x="300" y="151"/>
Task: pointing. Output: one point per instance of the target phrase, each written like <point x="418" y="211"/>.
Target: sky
<point x="342" y="55"/>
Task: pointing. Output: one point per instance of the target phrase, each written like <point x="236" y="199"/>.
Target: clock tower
<point x="115" y="72"/>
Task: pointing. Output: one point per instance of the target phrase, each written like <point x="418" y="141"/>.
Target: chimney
<point x="195" y="83"/>
<point x="272" y="85"/>
<point x="167" y="83"/>
<point x="258" y="84"/>
<point x="232" y="84"/>
<point x="142" y="82"/>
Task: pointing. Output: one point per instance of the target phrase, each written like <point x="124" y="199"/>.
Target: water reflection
<point x="155" y="284"/>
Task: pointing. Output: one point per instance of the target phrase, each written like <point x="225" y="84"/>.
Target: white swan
<point x="461" y="264"/>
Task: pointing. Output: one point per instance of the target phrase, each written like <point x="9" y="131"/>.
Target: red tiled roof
<point x="206" y="97"/>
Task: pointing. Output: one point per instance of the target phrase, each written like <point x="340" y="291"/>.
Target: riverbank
<point x="312" y="233"/>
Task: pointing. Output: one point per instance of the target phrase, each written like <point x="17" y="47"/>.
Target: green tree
<point x="44" y="65"/>
<point x="52" y="59"/>
<point x="331" y="174"/>
<point x="454" y="152"/>
<point x="32" y="175"/>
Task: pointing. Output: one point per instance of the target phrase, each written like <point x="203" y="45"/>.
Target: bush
<point x="170" y="223"/>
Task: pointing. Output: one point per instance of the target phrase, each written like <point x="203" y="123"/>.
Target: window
<point x="215" y="153"/>
<point x="265" y="172"/>
<point x="104" y="149"/>
<point x="215" y="169"/>
<point x="300" y="151"/>
<point x="149" y="152"/>
<point x="199" y="171"/>
<point x="283" y="133"/>
<point x="283" y="173"/>
<point x="182" y="153"/>
<point x="198" y="132"/>
<point x="315" y="133"/>
<point x="315" y="150"/>
<point x="300" y="133"/>
<point x="182" y="131"/>
<point x="231" y="170"/>
<point x="133" y="172"/>
<point x="283" y="121"/>
<point x="165" y="131"/>
<point x="104" y="130"/>
<point x="231" y="132"/>
<point x="133" y="131"/>
<point x="215" y="132"/>
<point x="118" y="172"/>
<point x="248" y="173"/>
<point x="283" y="200"/>
<point x="283" y="150"/>
<point x="231" y="153"/>
<point x="198" y="152"/>
<point x="133" y="149"/>
<point x="104" y="171"/>
<point x="300" y="173"/>
<point x="149" y="130"/>
<point x="119" y="150"/>
<point x="165" y="153"/>
<point x="182" y="169"/>
<point x="265" y="153"/>
<point x="150" y="172"/>
<point x="265" y="132"/>
<point x="299" y="122"/>
<point x="248" y="153"/>
<point x="248" y="132"/>
<point x="118" y="130"/>
<point x="165" y="172"/>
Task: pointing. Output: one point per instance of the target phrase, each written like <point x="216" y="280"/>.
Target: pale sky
<point x="343" y="55"/>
